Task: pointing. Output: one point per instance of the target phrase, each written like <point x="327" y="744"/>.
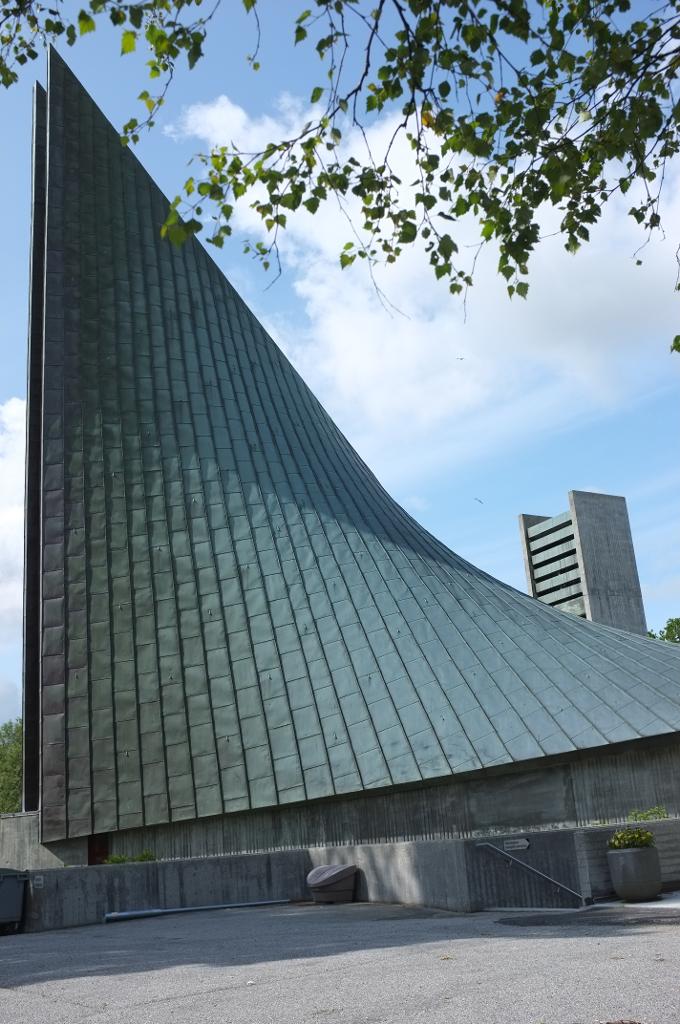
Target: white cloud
<point x="12" y="441"/>
<point x="222" y="122"/>
<point x="12" y="428"/>
<point x="421" y="392"/>
<point x="415" y="504"/>
<point x="10" y="699"/>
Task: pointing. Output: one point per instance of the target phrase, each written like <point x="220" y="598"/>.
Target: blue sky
<point x="467" y="420"/>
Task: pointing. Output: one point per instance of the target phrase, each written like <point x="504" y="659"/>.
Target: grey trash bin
<point x="12" y="890"/>
<point x="332" y="883"/>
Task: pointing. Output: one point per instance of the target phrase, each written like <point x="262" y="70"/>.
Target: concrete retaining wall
<point x="495" y="881"/>
<point x="429" y="874"/>
<point x="412" y="845"/>
<point x="575" y="857"/>
<point x="65" y="897"/>
<point x="453" y="875"/>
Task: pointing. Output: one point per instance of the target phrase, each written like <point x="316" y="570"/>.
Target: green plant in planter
<point x="631" y="839"/>
<point x="634" y="864"/>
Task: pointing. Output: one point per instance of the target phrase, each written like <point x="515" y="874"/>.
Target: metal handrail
<point x="585" y="900"/>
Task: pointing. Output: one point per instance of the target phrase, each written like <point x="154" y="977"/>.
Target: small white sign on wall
<point x="515" y="844"/>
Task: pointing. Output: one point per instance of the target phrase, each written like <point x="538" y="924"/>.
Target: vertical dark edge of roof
<point x="32" y="529"/>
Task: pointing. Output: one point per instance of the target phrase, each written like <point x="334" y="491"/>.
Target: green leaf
<point x="128" y="41"/>
<point x="522" y="289"/>
<point x="85" y="23"/>
<point x="317" y="93"/>
<point x="675" y="347"/>
<point x="147" y="100"/>
<point x="179" y="231"/>
<point x="447" y="246"/>
<point x="408" y="233"/>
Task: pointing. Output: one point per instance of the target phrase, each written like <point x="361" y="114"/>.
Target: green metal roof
<point x="235" y="614"/>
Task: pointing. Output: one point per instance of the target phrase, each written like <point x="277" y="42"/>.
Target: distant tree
<point x="10" y="766"/>
<point x="503" y="108"/>
<point x="670" y="632"/>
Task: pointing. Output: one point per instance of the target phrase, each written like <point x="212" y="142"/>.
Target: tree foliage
<point x="670" y="632"/>
<point x="10" y="766"/>
<point x="504" y="106"/>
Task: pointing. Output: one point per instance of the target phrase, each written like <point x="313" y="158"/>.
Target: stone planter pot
<point x="636" y="874"/>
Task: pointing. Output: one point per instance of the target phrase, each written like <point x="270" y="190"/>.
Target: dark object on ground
<point x="12" y="889"/>
<point x="131" y="915"/>
<point x="332" y="883"/>
<point x="636" y="874"/>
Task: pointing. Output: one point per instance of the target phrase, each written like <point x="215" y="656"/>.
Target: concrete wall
<point x="464" y="876"/>
<point x="65" y="897"/>
<point x="607" y="785"/>
<point x="20" y="845"/>
<point x="455" y="875"/>
<point x="430" y="874"/>
<point x="575" y="857"/>
<point x="597" y="786"/>
<point x="494" y="881"/>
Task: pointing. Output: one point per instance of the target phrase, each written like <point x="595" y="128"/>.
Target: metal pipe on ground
<point x="131" y="915"/>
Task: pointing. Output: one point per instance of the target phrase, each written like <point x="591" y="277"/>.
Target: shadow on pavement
<point x="234" y="938"/>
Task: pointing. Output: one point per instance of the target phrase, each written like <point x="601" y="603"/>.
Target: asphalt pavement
<point x="354" y="964"/>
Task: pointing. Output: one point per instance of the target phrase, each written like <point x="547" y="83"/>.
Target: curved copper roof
<point x="234" y="612"/>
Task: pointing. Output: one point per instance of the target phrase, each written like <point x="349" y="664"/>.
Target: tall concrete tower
<point x="582" y="561"/>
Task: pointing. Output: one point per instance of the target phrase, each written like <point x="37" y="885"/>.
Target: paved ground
<point x="350" y="965"/>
